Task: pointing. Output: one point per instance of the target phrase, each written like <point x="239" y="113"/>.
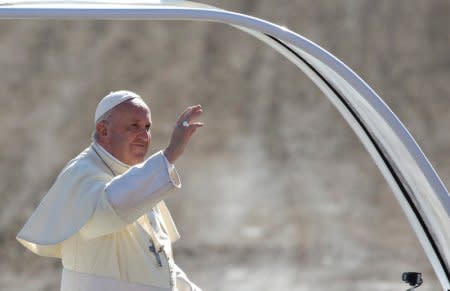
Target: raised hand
<point x="182" y="132"/>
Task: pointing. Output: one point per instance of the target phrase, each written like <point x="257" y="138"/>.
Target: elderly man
<point x="105" y="216"/>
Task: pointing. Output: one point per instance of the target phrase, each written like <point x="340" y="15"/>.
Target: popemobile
<point x="415" y="184"/>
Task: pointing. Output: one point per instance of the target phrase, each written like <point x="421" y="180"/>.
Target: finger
<point x="194" y="115"/>
<point x="187" y="112"/>
<point x="186" y="126"/>
<point x="193" y="127"/>
<point x="190" y="113"/>
<point x="184" y="113"/>
<point x="197" y="109"/>
<point x="196" y="125"/>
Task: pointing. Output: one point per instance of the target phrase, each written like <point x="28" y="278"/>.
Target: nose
<point x="145" y="135"/>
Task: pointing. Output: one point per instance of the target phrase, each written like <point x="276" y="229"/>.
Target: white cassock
<point x="109" y="225"/>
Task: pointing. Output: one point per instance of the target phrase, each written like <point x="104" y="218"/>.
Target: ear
<point x="101" y="129"/>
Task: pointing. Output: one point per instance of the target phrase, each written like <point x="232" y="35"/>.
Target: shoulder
<point x="85" y="164"/>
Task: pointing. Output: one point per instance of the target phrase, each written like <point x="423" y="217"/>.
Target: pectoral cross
<point x="157" y="254"/>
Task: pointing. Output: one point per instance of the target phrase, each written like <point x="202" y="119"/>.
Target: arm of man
<point x="142" y="187"/>
<point x="130" y="195"/>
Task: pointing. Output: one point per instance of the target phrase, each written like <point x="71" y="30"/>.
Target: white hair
<point x="104" y="117"/>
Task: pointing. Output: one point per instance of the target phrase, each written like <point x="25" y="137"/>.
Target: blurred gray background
<point x="278" y="193"/>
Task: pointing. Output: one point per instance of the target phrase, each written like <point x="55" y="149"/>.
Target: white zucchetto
<point x="112" y="100"/>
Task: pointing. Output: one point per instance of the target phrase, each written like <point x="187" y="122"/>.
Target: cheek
<point x="118" y="141"/>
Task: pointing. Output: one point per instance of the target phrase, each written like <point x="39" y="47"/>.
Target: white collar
<point x="117" y="167"/>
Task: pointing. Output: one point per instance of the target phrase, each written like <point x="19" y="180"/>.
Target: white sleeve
<point x="141" y="187"/>
<point x="103" y="221"/>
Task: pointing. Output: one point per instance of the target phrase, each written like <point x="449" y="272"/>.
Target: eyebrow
<point x="135" y="120"/>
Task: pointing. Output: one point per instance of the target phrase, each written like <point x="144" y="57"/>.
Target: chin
<point x="139" y="158"/>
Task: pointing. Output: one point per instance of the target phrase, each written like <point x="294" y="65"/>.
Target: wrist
<point x="169" y="155"/>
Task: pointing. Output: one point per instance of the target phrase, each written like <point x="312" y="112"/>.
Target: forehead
<point x="132" y="109"/>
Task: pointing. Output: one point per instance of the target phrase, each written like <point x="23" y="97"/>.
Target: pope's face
<point x="127" y="132"/>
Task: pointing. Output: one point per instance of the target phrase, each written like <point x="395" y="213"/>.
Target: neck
<point x="116" y="166"/>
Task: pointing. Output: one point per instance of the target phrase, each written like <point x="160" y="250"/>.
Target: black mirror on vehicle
<point x="413" y="279"/>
